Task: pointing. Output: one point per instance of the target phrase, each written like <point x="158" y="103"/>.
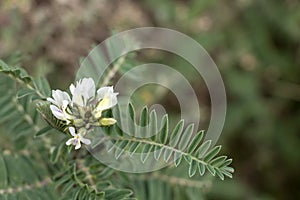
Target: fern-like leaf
<point x="40" y="86"/>
<point x="88" y="180"/>
<point x="171" y="146"/>
<point x="22" y="178"/>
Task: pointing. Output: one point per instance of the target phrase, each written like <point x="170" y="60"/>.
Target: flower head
<point x="84" y="109"/>
<point x="77" y="139"/>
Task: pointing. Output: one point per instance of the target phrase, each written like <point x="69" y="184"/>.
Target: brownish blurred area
<point x="56" y="33"/>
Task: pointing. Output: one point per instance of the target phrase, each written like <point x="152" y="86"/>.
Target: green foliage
<point x="22" y="178"/>
<point x="169" y="184"/>
<point x="19" y="115"/>
<point x="22" y="123"/>
<point x="77" y="175"/>
<point x="40" y="87"/>
<point x="78" y="180"/>
<point x="171" y="146"/>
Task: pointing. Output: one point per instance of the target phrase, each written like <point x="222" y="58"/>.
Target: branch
<point x="19" y="189"/>
<point x="173" y="180"/>
<point x="88" y="176"/>
<point x="112" y="72"/>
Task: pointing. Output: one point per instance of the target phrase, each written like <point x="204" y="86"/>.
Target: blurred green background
<point x="255" y="44"/>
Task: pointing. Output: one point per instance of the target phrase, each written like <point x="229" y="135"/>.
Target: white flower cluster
<point x="83" y="110"/>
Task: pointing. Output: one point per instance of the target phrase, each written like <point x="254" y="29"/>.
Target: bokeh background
<point x="255" y="44"/>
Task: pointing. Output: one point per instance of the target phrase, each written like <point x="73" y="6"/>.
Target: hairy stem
<point x="153" y="143"/>
<point x="173" y="180"/>
<point x="111" y="73"/>
<point x="19" y="189"/>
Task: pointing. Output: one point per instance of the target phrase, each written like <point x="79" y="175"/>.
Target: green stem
<point x="111" y="73"/>
<point x="19" y="189"/>
<point x="173" y="180"/>
<point x="30" y="87"/>
<point x="153" y="143"/>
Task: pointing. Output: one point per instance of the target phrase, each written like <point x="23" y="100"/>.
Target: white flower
<point x="77" y="139"/>
<point x="107" y="98"/>
<point x="61" y="100"/>
<point x="83" y="92"/>
<point x="84" y="108"/>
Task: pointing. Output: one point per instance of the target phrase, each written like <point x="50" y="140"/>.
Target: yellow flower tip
<point x="104" y="103"/>
<point x="97" y="114"/>
<point x="107" y="121"/>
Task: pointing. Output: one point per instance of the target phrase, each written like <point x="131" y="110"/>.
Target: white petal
<point x="107" y="98"/>
<point x="56" y="96"/>
<point x="107" y="102"/>
<point x="65" y="104"/>
<point x="104" y="90"/>
<point x="83" y="91"/>
<point x="70" y="141"/>
<point x="85" y="141"/>
<point x="59" y="96"/>
<point x="52" y="101"/>
<point x="114" y="99"/>
<point x="57" y="112"/>
<point x="78" y="145"/>
<point x="72" y="88"/>
<point x="78" y="99"/>
<point x="66" y="96"/>
<point x="89" y="85"/>
<point x="72" y="131"/>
